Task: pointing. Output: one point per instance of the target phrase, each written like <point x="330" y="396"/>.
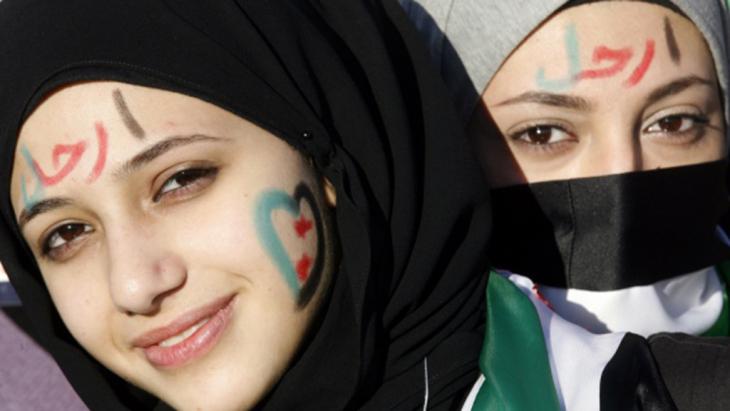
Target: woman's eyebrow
<point x="41" y="207"/>
<point x="130" y="166"/>
<point x="160" y="148"/>
<point x="676" y="87"/>
<point x="550" y="99"/>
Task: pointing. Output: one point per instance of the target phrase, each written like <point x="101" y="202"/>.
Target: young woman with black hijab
<point x="119" y="120"/>
<point x="602" y="127"/>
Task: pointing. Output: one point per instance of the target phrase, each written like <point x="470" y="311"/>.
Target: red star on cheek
<point x="302" y="226"/>
<point x="303" y="266"/>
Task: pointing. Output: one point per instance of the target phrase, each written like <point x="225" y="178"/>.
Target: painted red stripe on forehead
<point x="643" y="67"/>
<point x="75" y="151"/>
<point x="102" y="138"/>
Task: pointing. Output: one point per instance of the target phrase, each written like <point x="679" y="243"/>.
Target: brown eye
<point x="186" y="177"/>
<point x="670" y="124"/>
<point x="539" y="135"/>
<point x="62" y="236"/>
<point x="542" y="135"/>
<point x="70" y="231"/>
<point x="676" y="124"/>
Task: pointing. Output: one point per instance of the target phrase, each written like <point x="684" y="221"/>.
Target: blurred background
<point x="29" y="378"/>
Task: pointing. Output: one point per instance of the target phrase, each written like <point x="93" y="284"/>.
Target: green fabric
<point x="514" y="358"/>
<point x="721" y="328"/>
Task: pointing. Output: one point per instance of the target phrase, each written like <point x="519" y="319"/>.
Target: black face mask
<point x="612" y="232"/>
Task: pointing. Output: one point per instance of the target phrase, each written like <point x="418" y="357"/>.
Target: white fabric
<point x="689" y="304"/>
<point x="472" y="397"/>
<point x="3" y="275"/>
<point x="425" y="383"/>
<point x="577" y="357"/>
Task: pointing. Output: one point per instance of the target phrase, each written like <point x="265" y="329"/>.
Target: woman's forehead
<point x="81" y="133"/>
<point x="129" y="105"/>
<point x="628" y="43"/>
<point x="132" y="117"/>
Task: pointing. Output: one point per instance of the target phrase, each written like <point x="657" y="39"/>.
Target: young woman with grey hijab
<point x="602" y="129"/>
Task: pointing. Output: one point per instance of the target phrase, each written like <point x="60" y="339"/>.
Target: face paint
<point x="619" y="57"/>
<point x="74" y="152"/>
<point x="102" y="139"/>
<point x="127" y="118"/>
<point x="301" y="273"/>
<point x="572" y="49"/>
<point x="30" y="200"/>
<point x="302" y="226"/>
<point x="643" y="67"/>
<point x="672" y="45"/>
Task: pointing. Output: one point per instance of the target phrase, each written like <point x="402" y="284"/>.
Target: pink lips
<point x="217" y="316"/>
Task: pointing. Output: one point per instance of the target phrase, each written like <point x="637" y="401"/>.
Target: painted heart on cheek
<point x="301" y="271"/>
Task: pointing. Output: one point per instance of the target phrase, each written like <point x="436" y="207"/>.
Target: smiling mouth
<point x="189" y="337"/>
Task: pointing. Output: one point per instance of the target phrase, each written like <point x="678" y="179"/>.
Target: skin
<point x="135" y="249"/>
<point x="621" y="128"/>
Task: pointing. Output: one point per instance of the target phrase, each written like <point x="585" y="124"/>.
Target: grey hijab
<point x="469" y="39"/>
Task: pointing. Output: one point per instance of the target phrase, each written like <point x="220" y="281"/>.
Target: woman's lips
<point x="190" y="336"/>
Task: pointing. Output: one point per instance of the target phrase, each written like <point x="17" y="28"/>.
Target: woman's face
<point x="602" y="88"/>
<point x="183" y="246"/>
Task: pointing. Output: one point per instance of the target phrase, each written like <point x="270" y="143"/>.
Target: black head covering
<point x="347" y="84"/>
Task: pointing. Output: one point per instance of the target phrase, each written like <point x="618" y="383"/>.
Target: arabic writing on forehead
<point x="618" y="59"/>
<point x="72" y="153"/>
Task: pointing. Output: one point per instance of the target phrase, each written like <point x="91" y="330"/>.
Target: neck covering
<point x="613" y="232"/>
<point x="347" y="84"/>
<point x="469" y="39"/>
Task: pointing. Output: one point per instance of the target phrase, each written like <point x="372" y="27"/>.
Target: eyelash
<point x="692" y="133"/>
<point x="198" y="178"/>
<point x="60" y="252"/>
<point x="520" y="135"/>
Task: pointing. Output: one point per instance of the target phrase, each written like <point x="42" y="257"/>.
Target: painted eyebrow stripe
<point x="127" y="118"/>
<point x="672" y="45"/>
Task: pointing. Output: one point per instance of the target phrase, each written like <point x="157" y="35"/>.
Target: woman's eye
<point x="60" y="239"/>
<point x="186" y="181"/>
<point x="678" y="123"/>
<point x="542" y="135"/>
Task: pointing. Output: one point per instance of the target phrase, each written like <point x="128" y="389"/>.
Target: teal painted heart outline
<point x="266" y="204"/>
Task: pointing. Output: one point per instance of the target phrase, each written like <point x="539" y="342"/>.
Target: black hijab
<point x="346" y="83"/>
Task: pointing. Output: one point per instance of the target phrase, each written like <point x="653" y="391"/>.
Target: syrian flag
<point x="532" y="359"/>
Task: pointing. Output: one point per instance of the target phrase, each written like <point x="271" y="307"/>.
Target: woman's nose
<point x="614" y="153"/>
<point x="141" y="275"/>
